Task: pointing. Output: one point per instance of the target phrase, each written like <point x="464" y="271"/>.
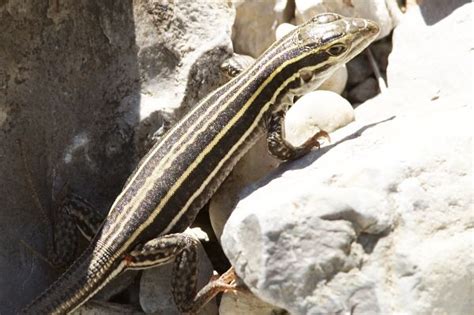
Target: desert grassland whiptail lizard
<point x="178" y="176"/>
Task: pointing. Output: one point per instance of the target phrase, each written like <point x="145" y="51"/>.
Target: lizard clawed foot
<point x="314" y="140"/>
<point x="227" y="282"/>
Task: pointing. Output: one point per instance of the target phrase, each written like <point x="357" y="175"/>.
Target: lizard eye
<point x="336" y="49"/>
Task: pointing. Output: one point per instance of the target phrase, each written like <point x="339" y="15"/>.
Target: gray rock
<point x="379" y="222"/>
<point x="300" y="238"/>
<point x="83" y="85"/>
<point x="358" y="70"/>
<point x="381" y="50"/>
<point x="254" y="32"/>
<point x="363" y="91"/>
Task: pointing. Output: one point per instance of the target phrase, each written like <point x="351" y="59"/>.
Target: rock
<point x="155" y="287"/>
<point x="284" y="11"/>
<point x="73" y="79"/>
<point x="363" y="91"/>
<point x="318" y="242"/>
<point x="385" y="13"/>
<point x="283" y="29"/>
<point x="299" y="239"/>
<point x="253" y="32"/>
<point x="358" y="70"/>
<point x="318" y="110"/>
<point x="381" y="50"/>
<point x="246" y="303"/>
<point x="420" y="77"/>
<point x="380" y="223"/>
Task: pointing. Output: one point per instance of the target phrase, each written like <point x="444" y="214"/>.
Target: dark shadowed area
<point x="64" y="68"/>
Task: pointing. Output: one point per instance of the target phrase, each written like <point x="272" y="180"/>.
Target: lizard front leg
<point x="279" y="147"/>
<point x="182" y="247"/>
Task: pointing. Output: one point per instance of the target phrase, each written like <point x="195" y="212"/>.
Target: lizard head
<point x="326" y="42"/>
<point x="340" y="38"/>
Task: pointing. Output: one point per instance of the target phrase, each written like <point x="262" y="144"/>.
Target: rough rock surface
<point x="84" y="85"/>
<point x="380" y="222"/>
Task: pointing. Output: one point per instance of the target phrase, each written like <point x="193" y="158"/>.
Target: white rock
<point x="283" y="29"/>
<point x="318" y="110"/>
<point x="428" y="73"/>
<point x="380" y="223"/>
<point x="386" y="12"/>
<point x="245" y="303"/>
<point x="295" y="250"/>
<point x="155" y="285"/>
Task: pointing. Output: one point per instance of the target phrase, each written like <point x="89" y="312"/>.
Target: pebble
<point x="283" y="29"/>
<point x="318" y="110"/>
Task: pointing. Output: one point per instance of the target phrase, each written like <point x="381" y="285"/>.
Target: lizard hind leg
<point x="183" y="249"/>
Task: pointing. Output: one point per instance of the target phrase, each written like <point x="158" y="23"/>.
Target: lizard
<point x="178" y="176"/>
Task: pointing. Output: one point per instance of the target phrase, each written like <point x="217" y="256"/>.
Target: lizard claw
<point x="314" y="140"/>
